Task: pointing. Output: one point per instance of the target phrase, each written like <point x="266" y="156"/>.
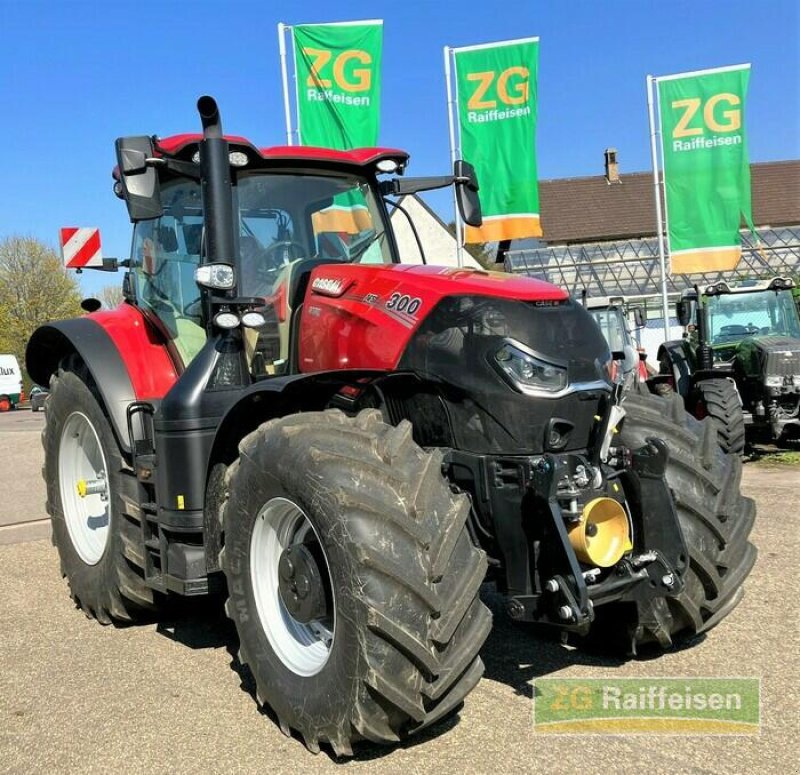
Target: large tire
<point x="92" y="535"/>
<point x="715" y="518"/>
<point x="719" y="400"/>
<point x="408" y="622"/>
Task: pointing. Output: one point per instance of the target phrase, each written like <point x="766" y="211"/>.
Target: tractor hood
<point x="770" y="356"/>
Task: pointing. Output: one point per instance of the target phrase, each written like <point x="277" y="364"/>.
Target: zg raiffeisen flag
<point x="338" y="74"/>
<point x="496" y="102"/>
<point x="706" y="169"/>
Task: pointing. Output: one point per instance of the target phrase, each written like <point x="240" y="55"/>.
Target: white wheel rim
<point x="81" y="458"/>
<point x="303" y="648"/>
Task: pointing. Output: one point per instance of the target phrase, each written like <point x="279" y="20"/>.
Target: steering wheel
<point x="292" y="250"/>
<point x="733" y="330"/>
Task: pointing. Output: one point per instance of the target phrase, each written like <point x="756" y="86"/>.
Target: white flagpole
<point x="285" y="80"/>
<point x="659" y="218"/>
<point x="453" y="154"/>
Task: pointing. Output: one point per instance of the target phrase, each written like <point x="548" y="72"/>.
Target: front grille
<point x="782" y="357"/>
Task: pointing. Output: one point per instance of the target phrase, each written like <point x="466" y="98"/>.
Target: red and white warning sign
<point x="80" y="247"/>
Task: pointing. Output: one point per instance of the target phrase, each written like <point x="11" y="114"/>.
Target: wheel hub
<point x="300" y="584"/>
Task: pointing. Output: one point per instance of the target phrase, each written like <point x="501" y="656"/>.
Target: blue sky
<point x="74" y="75"/>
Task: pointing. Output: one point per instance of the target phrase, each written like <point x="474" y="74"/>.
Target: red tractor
<point x="349" y="446"/>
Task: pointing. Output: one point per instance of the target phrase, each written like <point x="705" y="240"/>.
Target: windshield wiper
<point x="369" y="239"/>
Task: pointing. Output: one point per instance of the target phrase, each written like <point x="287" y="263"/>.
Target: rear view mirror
<point x="469" y="203"/>
<point x="639" y="319"/>
<point x="139" y="181"/>
<point x="683" y="311"/>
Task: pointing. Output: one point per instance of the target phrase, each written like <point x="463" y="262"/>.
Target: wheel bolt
<point x="286" y="568"/>
<point x="565" y="612"/>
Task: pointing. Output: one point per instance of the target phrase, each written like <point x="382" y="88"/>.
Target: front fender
<point x="126" y="361"/>
<point x="677" y="358"/>
<point x="263" y="401"/>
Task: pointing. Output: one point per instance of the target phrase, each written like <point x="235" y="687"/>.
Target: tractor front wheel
<point x="83" y="469"/>
<point x="715" y="519"/>
<point x="353" y="581"/>
<point x="718" y="399"/>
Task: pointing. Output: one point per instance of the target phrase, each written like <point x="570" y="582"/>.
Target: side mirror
<point x="140" y="187"/>
<point x="639" y="319"/>
<point x="469" y="203"/>
<point x="683" y="311"/>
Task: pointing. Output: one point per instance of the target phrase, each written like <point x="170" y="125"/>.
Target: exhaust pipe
<point x="209" y="117"/>
<point x="215" y="183"/>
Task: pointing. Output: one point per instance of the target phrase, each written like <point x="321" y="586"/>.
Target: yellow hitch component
<point x="602" y="536"/>
<point x="81" y="486"/>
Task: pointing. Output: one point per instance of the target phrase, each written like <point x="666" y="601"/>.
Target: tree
<point x="34" y="288"/>
<point x="111" y="296"/>
<point x="482" y="252"/>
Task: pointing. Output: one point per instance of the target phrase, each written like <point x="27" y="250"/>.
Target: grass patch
<point x="790" y="458"/>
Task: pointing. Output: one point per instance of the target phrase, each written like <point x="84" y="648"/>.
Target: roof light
<point x="238" y="159"/>
<point x="235" y="158"/>
<point x="386" y="165"/>
<point x="217" y="276"/>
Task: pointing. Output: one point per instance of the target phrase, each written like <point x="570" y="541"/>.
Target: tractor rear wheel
<point x="715" y="518"/>
<point x="353" y="581"/>
<point x="718" y="399"/>
<point x="83" y="469"/>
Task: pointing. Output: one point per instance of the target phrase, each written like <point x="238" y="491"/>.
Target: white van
<point x="10" y="382"/>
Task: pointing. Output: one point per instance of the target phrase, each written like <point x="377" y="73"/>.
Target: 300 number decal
<point x="401" y="302"/>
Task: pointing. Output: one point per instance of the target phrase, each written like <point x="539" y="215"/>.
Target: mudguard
<point x="676" y="358"/>
<point x="267" y="400"/>
<point x="125" y="362"/>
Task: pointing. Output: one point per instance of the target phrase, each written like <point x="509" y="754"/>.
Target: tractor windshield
<point x="282" y="218"/>
<point x="734" y="316"/>
<point x="613" y="325"/>
<point x="286" y="217"/>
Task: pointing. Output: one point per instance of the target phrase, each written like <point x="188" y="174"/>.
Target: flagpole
<point x="285" y="80"/>
<point x="659" y="218"/>
<point x="453" y="157"/>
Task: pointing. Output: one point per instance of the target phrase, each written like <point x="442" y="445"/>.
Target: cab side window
<point x="166" y="252"/>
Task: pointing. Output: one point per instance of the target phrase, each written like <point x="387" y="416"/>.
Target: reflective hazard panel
<point x="80" y="247"/>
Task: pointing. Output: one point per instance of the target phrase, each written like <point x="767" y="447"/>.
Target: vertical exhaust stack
<point x="215" y="181"/>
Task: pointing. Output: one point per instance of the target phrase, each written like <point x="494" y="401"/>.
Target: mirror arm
<point x="399" y="186"/>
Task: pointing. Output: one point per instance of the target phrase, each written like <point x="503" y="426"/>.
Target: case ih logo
<point x="328" y="286"/>
<point x="81" y="247"/>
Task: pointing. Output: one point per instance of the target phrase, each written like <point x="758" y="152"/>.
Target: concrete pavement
<point x="79" y="697"/>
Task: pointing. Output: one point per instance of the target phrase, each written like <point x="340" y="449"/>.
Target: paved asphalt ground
<point x="165" y="697"/>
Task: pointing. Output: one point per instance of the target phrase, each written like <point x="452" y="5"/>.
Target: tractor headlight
<point x="226" y="320"/>
<point x="253" y="320"/>
<point x="217" y="276"/>
<point x="528" y="373"/>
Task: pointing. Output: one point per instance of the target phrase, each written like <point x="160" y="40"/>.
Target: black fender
<point x="676" y="357"/>
<point x="268" y="400"/>
<point x="52" y="342"/>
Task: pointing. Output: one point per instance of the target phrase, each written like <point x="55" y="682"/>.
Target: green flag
<point x="497" y="86"/>
<point x="338" y="69"/>
<point x="706" y="169"/>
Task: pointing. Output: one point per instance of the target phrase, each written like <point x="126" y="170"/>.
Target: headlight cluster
<point x="217" y="276"/>
<point x="528" y="373"/>
<point x="228" y="319"/>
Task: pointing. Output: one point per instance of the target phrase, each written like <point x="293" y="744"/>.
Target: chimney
<point x="612" y="168"/>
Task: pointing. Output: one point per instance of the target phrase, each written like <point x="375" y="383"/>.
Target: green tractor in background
<point x="739" y="359"/>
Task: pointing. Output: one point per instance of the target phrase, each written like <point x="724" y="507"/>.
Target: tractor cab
<point x="285" y="223"/>
<point x="237" y="251"/>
